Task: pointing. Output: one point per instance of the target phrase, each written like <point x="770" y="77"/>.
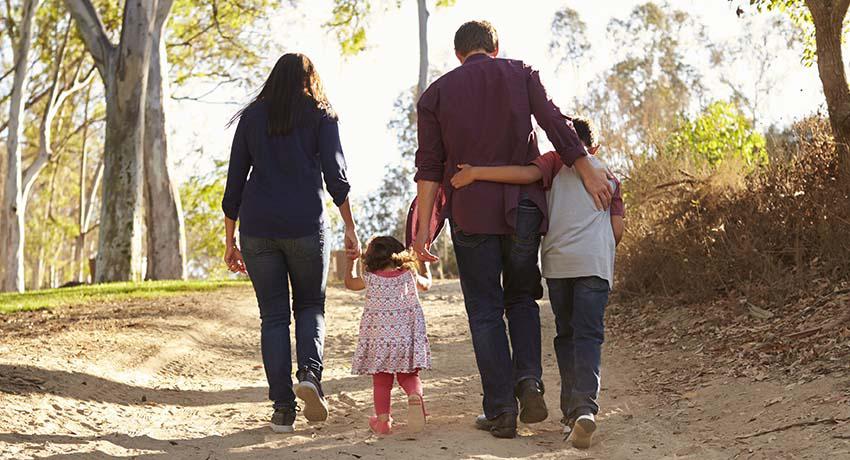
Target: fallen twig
<point x="831" y="421"/>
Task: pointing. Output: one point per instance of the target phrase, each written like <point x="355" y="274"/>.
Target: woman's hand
<point x="233" y="259"/>
<point x="352" y="243"/>
<point x="464" y="176"/>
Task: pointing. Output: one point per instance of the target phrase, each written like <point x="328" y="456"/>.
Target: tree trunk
<point x="124" y="70"/>
<point x="829" y="19"/>
<point x="164" y="213"/>
<point x="423" y="47"/>
<point x="13" y="203"/>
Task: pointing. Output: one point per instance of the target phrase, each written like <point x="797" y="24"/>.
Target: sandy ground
<point x="181" y="378"/>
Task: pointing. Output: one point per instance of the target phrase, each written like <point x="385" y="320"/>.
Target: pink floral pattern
<point x="392" y="329"/>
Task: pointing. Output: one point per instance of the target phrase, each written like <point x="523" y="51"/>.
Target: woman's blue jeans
<point x="274" y="265"/>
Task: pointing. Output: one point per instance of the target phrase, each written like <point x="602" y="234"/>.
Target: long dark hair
<point x="293" y="94"/>
<point x="384" y="251"/>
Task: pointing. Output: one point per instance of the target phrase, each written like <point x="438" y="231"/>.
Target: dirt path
<point x="182" y="378"/>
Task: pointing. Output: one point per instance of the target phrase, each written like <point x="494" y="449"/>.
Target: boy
<point x="578" y="264"/>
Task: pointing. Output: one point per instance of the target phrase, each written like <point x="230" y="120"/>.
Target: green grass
<point x="109" y="292"/>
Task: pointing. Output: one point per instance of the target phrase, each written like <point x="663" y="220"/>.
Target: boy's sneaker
<point x="532" y="406"/>
<point x="582" y="432"/>
<point x="309" y="390"/>
<point x="283" y="419"/>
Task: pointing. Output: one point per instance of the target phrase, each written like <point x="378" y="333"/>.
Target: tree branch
<point x="93" y="32"/>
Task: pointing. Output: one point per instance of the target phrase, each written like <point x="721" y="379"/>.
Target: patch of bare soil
<point x="181" y="378"/>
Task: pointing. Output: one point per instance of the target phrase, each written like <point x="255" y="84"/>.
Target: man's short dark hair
<point x="586" y="131"/>
<point x="476" y="35"/>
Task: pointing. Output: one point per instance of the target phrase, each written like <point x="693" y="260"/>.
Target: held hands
<point x="595" y="182"/>
<point x="422" y="247"/>
<point x="233" y="259"/>
<point x="352" y="243"/>
<point x="464" y="177"/>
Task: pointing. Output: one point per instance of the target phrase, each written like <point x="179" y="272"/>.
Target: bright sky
<point x="363" y="88"/>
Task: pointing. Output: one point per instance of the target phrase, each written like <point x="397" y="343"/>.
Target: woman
<point x="288" y="139"/>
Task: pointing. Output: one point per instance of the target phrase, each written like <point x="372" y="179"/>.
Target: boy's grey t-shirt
<point x="580" y="241"/>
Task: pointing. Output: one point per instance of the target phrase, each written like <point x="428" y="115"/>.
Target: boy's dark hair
<point x="586" y="131"/>
<point x="384" y="251"/>
<point x="476" y="35"/>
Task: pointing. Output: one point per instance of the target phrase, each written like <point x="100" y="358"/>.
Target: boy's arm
<point x="353" y="280"/>
<point x="503" y="174"/>
<point x="423" y="278"/>
<point x="618" y="224"/>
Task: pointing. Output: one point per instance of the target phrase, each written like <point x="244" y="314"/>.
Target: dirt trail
<point x="181" y="378"/>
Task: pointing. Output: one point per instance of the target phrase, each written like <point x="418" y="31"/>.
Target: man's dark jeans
<point x="487" y="263"/>
<point x="579" y="306"/>
<point x="274" y="264"/>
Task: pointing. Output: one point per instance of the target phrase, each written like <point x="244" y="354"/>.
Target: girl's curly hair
<point x="384" y="251"/>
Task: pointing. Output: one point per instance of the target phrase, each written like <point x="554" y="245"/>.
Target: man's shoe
<point x="582" y="435"/>
<point x="283" y="419"/>
<point x="503" y="426"/>
<point x="309" y="390"/>
<point x="532" y="406"/>
<point x="482" y="423"/>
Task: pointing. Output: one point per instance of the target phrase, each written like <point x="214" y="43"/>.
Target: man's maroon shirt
<point x="480" y="114"/>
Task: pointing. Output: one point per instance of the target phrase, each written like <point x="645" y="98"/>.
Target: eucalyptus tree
<point x="824" y="23"/>
<point x="12" y="218"/>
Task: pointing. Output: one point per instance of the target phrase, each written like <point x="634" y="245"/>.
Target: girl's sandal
<point x="415" y="413"/>
<point x="381" y="424"/>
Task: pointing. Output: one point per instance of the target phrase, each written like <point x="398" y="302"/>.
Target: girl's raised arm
<point x="423" y="278"/>
<point x="353" y="280"/>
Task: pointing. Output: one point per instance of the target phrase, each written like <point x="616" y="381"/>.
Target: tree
<point x="13" y="205"/>
<point x="827" y="17"/>
<point x="641" y="97"/>
<point x="164" y="214"/>
<point x="569" y="37"/>
<point x="124" y="71"/>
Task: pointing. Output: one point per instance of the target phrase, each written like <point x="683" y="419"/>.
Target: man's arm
<point x="559" y="129"/>
<point x="430" y="167"/>
<point x="503" y="174"/>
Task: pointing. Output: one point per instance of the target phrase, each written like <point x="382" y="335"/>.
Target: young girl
<point x="392" y="343"/>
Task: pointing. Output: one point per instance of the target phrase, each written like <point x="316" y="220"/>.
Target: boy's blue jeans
<point x="500" y="279"/>
<point x="579" y="307"/>
<point x="274" y="264"/>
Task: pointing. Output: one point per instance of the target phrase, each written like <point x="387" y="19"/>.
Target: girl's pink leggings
<point x="382" y="385"/>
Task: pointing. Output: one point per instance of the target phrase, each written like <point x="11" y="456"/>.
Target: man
<point x="480" y="114"/>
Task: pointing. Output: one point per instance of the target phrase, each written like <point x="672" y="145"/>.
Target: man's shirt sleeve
<point x="431" y="155"/>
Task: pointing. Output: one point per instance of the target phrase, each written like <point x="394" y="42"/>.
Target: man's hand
<point x="595" y="182"/>
<point x="233" y="259"/>
<point x="464" y="177"/>
<point x="422" y="247"/>
<point x="352" y="243"/>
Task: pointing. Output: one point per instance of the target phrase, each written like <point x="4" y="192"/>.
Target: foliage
<point x="201" y="198"/>
<point x="800" y="15"/>
<point x="569" y="40"/>
<point x="350" y="18"/>
<point x="721" y="132"/>
<point x="106" y="293"/>
<point x="694" y="237"/>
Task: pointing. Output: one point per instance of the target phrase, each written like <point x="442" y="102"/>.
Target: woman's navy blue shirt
<point x="283" y="197"/>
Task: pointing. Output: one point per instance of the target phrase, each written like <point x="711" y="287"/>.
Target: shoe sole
<point x="506" y="434"/>
<point x="282" y="428"/>
<point x="315" y="408"/>
<point x="415" y="414"/>
<point x="533" y="410"/>
<point x="582" y="434"/>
